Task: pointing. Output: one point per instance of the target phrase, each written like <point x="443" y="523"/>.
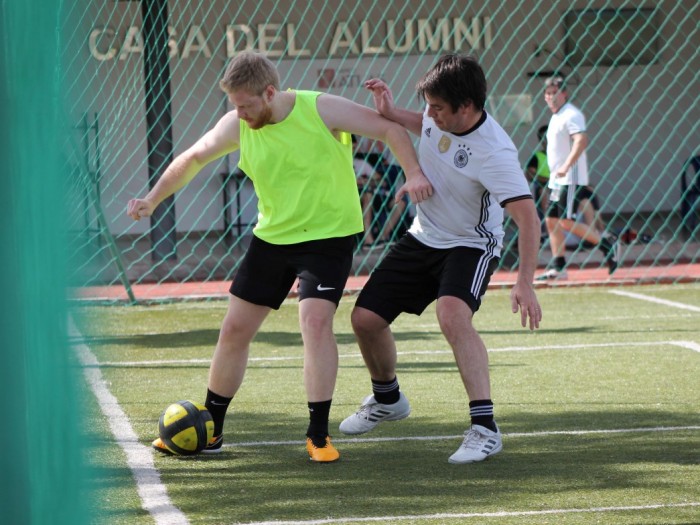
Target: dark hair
<point x="542" y="132"/>
<point x="456" y="79"/>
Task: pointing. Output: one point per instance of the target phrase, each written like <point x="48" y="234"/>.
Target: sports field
<point x="600" y="412"/>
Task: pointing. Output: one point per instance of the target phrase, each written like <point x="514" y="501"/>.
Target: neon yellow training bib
<point x="303" y="177"/>
<point x="542" y="166"/>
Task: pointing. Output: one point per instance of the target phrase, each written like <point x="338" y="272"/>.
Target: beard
<point x="264" y="118"/>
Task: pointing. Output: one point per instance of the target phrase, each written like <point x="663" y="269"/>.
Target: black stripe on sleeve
<point x="513" y="199"/>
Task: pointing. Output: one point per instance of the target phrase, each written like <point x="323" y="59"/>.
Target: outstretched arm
<point x="220" y="140"/>
<point x="522" y="296"/>
<point x="341" y="114"/>
<point x="384" y="102"/>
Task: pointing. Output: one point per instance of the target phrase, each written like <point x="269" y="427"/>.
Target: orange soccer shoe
<point x="160" y="446"/>
<point x="325" y="454"/>
<point x="213" y="447"/>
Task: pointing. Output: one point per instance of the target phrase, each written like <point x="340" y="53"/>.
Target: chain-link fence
<point x="142" y="81"/>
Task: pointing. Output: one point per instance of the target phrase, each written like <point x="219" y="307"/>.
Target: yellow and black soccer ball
<point x="185" y="428"/>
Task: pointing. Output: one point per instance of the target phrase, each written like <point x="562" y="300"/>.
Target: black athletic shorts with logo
<point x="268" y="271"/>
<point x="413" y="275"/>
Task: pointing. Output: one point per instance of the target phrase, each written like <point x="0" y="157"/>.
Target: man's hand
<point x="523" y="298"/>
<point x="382" y="96"/>
<point x="418" y="188"/>
<point x="138" y="208"/>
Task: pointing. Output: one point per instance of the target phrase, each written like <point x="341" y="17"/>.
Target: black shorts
<point x="413" y="275"/>
<point x="268" y="271"/>
<point x="539" y="186"/>
<point x="558" y="208"/>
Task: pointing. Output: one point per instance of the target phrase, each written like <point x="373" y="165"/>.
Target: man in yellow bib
<point x="295" y="146"/>
<point x="537" y="173"/>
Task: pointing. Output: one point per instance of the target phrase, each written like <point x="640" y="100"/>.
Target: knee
<point x="454" y="317"/>
<point x="366" y="322"/>
<point x="447" y="323"/>
<point x="233" y="329"/>
<point x="316" y="323"/>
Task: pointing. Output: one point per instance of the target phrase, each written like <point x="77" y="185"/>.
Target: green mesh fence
<point x="143" y="79"/>
<point x="42" y="478"/>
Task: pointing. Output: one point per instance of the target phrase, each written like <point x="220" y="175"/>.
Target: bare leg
<point x="557" y="238"/>
<point x="379" y="352"/>
<point x="544" y="201"/>
<point x="455" y="319"/>
<point x="376" y="343"/>
<point x="588" y="212"/>
<point x="228" y="365"/>
<point x="586" y="232"/>
<point x="589" y="234"/>
<point x="320" y="348"/>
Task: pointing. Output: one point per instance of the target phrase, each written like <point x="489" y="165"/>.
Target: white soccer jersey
<point x="473" y="177"/>
<point x="566" y="122"/>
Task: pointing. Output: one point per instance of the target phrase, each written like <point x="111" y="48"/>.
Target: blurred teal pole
<point x="42" y="472"/>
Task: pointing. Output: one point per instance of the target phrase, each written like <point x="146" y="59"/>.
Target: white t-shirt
<point x="564" y="123"/>
<point x="362" y="168"/>
<point x="473" y="176"/>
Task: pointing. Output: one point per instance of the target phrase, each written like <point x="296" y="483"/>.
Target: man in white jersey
<point x="451" y="249"/>
<point x="566" y="154"/>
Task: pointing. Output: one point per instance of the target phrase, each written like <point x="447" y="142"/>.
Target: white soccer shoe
<point x="553" y="275"/>
<point x="479" y="443"/>
<point x="372" y="413"/>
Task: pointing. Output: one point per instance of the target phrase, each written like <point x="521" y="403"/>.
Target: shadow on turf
<point x="413" y="477"/>
<point x="208" y="337"/>
<point x="196" y="338"/>
<point x="166" y="340"/>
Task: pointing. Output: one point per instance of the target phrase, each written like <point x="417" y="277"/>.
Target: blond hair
<point x="251" y="72"/>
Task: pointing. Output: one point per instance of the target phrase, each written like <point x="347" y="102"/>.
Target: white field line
<point x="500" y="514"/>
<point x="153" y="494"/>
<point x="460" y="436"/>
<point x="687" y="344"/>
<point x="656" y="300"/>
<point x="682" y="344"/>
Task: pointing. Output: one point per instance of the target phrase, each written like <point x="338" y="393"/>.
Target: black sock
<point x="217" y="406"/>
<point x="318" y="422"/>
<point x="559" y="263"/>
<point x="386" y="392"/>
<point x="605" y="246"/>
<point x="481" y="412"/>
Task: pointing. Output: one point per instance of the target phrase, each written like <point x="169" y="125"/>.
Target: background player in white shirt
<point x="568" y="181"/>
<point x="451" y="249"/>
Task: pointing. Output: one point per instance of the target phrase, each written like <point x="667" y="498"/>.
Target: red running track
<point x="680" y="273"/>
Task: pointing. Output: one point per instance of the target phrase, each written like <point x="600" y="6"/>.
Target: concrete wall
<point x="642" y="119"/>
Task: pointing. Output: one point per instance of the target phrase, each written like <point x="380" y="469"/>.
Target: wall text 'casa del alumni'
<point x="344" y="38"/>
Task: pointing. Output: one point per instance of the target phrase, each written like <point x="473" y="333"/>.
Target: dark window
<point x="610" y="37"/>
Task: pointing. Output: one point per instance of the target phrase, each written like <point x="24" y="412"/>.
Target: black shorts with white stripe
<point x="413" y="275"/>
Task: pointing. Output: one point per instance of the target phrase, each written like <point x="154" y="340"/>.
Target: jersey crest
<point x="462" y="157"/>
<point x="444" y="143"/>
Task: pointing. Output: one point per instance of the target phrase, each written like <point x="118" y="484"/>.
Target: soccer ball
<point x="185" y="428"/>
